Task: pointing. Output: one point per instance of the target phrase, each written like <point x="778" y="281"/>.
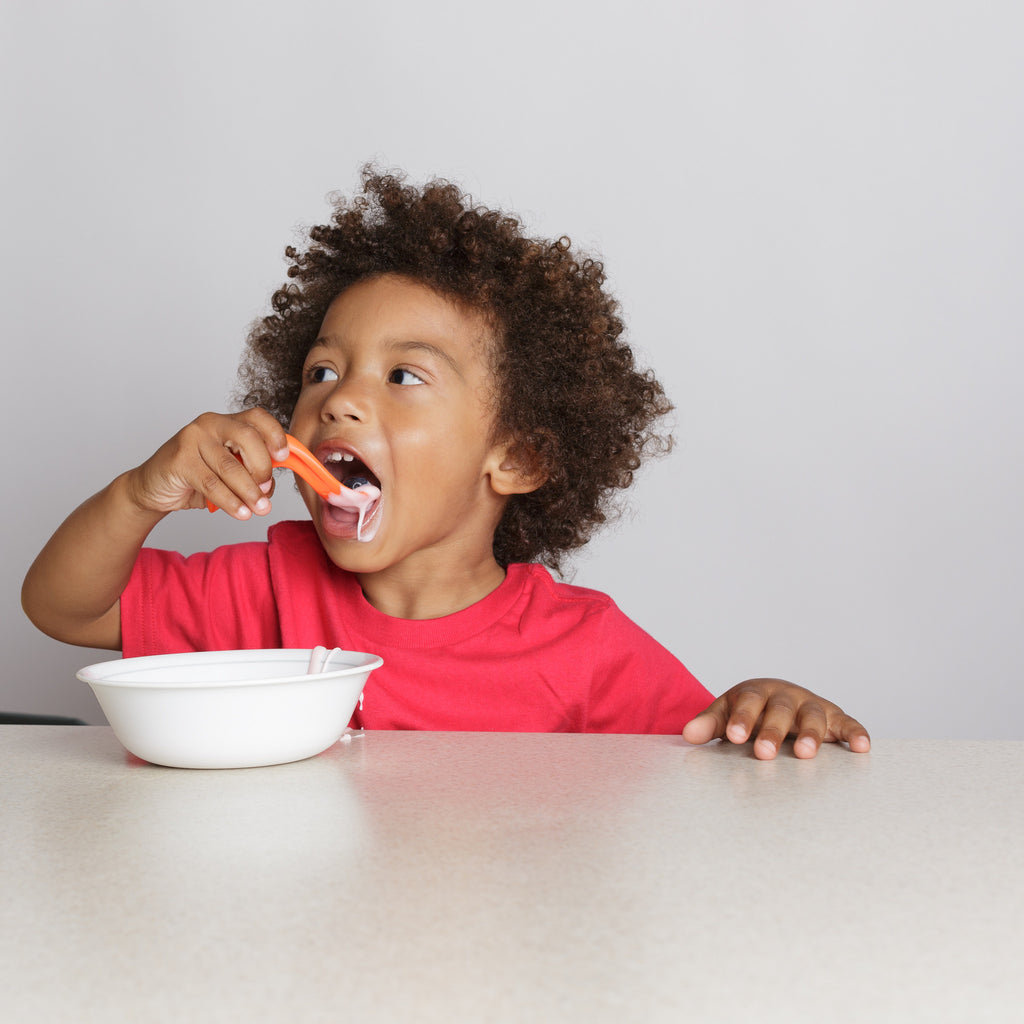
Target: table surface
<point x="512" y="877"/>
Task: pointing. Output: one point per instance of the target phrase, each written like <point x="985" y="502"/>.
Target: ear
<point x="514" y="470"/>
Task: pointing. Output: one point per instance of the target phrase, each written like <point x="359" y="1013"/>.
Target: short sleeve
<point x="212" y="601"/>
<point x="639" y="686"/>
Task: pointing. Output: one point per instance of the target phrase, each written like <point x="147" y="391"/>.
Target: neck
<point x="418" y="592"/>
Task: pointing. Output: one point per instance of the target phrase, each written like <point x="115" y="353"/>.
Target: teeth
<point x="339" y="457"/>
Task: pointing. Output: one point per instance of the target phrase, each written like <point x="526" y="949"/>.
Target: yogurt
<point x="361" y="500"/>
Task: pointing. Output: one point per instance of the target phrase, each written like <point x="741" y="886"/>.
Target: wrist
<point x="127" y="495"/>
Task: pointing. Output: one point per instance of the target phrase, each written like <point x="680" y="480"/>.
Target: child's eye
<point x="402" y="376"/>
<point x="320" y="374"/>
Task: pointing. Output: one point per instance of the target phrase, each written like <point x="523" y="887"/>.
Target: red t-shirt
<point x="533" y="656"/>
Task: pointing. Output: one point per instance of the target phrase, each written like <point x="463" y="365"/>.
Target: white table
<point x="493" y="877"/>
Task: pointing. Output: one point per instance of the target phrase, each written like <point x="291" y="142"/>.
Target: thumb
<point x="708" y="725"/>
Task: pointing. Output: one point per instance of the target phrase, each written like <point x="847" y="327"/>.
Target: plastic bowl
<point x="228" y="709"/>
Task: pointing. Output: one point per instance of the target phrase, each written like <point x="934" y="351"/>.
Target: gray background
<point x="811" y="213"/>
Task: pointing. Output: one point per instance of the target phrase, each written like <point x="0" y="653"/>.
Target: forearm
<point x="72" y="591"/>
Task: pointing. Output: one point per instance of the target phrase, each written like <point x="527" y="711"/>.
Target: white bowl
<point x="228" y="709"/>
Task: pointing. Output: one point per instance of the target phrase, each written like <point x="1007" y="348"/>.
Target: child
<point x="473" y="382"/>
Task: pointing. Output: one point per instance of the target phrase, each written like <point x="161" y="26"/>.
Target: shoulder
<point x="632" y="682"/>
<point x="542" y="586"/>
<point x="589" y="620"/>
<point x="571" y="609"/>
<point x="212" y="600"/>
<point x="229" y="559"/>
<point x="287" y="543"/>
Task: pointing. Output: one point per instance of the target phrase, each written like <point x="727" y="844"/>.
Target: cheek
<point x="303" y="415"/>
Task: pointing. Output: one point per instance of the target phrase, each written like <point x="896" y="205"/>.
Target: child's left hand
<point x="773" y="709"/>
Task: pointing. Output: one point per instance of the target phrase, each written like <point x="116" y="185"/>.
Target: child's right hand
<point x="223" y="459"/>
<point x="73" y="589"/>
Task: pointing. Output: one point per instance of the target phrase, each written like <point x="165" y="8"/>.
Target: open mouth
<point x="355" y="512"/>
<point x="348" y="470"/>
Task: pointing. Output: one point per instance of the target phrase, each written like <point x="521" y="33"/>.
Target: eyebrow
<point x="425" y="346"/>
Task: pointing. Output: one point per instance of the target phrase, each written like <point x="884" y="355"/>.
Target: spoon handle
<point x="304" y="463"/>
<point x="318" y="659"/>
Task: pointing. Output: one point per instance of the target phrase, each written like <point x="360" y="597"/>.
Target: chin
<point x="350" y="554"/>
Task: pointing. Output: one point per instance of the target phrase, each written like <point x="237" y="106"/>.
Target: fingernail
<point x="266" y="485"/>
<point x="261" y="506"/>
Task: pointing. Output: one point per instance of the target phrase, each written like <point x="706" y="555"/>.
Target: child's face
<point x="400" y="379"/>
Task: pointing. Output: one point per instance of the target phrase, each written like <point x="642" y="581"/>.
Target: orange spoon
<point x="302" y="461"/>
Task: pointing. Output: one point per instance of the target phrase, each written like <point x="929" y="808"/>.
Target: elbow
<point x="29" y="603"/>
<point x="39" y="610"/>
<point x="43" y="610"/>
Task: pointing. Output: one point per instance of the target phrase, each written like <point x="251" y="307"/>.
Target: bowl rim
<point x="96" y="674"/>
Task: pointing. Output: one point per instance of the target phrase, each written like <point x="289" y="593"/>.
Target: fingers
<point x="225" y="481"/>
<point x="770" y="710"/>
<point x="226" y="461"/>
<point x="733" y="715"/>
<point x="709" y="724"/>
<point x="237" y="459"/>
<point x="820" y="721"/>
<point x="852" y="732"/>
<point x="811" y="729"/>
<point x="781" y="711"/>
<point x="748" y="703"/>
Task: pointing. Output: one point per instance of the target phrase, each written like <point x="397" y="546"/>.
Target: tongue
<point x="357" y="495"/>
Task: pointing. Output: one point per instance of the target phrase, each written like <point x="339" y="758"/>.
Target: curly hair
<point x="570" y="400"/>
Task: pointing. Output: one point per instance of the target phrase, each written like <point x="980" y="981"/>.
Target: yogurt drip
<point x="357" y="499"/>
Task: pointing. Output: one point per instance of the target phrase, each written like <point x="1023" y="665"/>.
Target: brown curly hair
<point x="569" y="398"/>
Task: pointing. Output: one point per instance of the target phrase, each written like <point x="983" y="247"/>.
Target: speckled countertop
<point x="494" y="877"/>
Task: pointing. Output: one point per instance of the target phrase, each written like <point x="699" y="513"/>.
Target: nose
<point x="348" y="400"/>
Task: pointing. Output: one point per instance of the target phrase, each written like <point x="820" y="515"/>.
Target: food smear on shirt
<point x="361" y="497"/>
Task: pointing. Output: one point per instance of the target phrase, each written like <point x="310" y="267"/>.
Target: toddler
<point x="474" y="383"/>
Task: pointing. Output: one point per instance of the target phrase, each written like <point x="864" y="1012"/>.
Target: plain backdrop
<point x="810" y="212"/>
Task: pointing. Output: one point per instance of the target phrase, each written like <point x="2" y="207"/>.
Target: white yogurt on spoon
<point x="361" y="499"/>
